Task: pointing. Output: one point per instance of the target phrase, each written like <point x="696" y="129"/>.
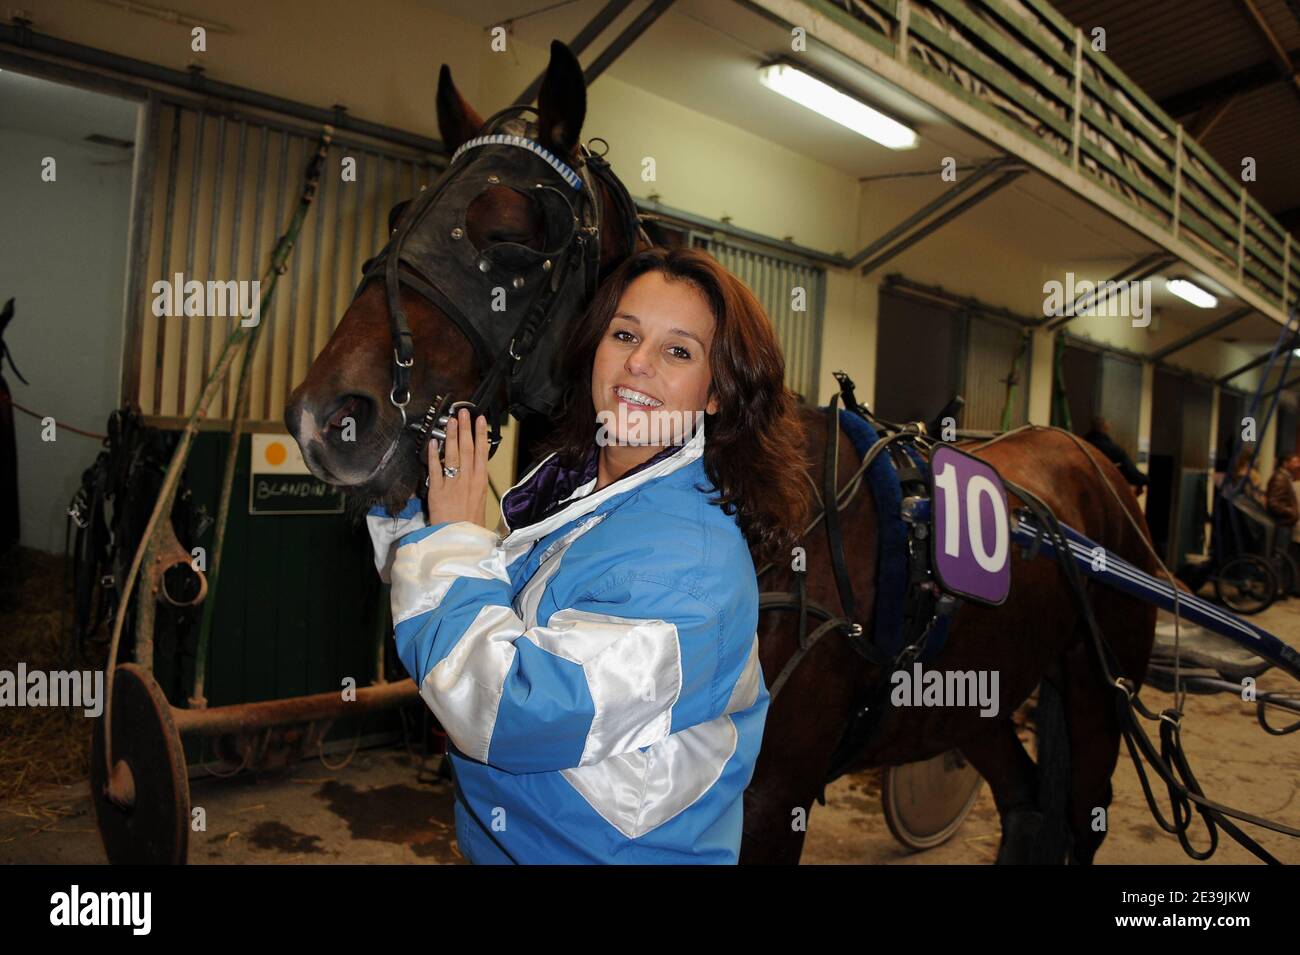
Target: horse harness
<point x="430" y="252"/>
<point x="926" y="608"/>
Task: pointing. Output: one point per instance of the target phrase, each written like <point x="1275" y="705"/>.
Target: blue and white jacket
<point x="596" y="669"/>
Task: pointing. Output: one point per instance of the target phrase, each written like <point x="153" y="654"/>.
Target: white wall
<point x="63" y="260"/>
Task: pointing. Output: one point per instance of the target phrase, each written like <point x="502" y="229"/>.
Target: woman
<point x="595" y="666"/>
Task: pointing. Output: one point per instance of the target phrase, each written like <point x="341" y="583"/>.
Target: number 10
<point x="976" y="488"/>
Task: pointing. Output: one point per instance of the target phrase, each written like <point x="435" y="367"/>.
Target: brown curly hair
<point x="754" y="445"/>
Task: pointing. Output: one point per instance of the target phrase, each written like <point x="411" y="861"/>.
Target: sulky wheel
<point x="1246" y="584"/>
<point x="926" y="802"/>
<point x="145" y="818"/>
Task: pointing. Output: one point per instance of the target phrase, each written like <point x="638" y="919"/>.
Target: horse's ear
<point x="562" y="102"/>
<point x="457" y="120"/>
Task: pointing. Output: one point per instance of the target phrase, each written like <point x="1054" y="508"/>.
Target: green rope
<point x="1013" y="379"/>
<point x="276" y="268"/>
<point x="1060" y="402"/>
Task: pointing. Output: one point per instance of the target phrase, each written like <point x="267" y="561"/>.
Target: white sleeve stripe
<point x="464" y="689"/>
<point x="745" y="692"/>
<point x="424" y="571"/>
<point x="633" y="670"/>
<point x="638" y="792"/>
<point x="386" y="531"/>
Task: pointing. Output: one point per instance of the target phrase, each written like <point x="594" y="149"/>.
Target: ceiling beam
<point x="1256" y="362"/>
<point x="1143" y="268"/>
<point x="1289" y="219"/>
<point x="1248" y="80"/>
<point x="930" y="208"/>
<point x="1218" y="325"/>
<point x="630" y="34"/>
<point x="1009" y="175"/>
<point x="593" y="28"/>
<point x="1283" y="62"/>
<point x="1209" y="115"/>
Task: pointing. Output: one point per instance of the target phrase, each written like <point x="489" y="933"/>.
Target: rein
<point x="1170" y="762"/>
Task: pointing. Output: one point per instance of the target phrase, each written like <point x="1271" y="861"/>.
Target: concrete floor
<point x="384" y="807"/>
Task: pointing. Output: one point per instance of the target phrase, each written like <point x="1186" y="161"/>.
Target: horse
<point x="1034" y="639"/>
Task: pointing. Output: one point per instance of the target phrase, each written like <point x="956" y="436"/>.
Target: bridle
<point x="429" y="252"/>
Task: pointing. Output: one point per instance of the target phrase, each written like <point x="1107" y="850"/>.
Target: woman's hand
<point x="463" y="497"/>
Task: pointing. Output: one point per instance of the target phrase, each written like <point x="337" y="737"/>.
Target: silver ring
<point x="450" y="472"/>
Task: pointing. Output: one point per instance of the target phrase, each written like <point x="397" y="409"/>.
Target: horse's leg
<point x="1094" y="739"/>
<point x="1128" y="627"/>
<point x="776" y="818"/>
<point x="803" y="728"/>
<point x="1011" y="774"/>
<point x="791" y="769"/>
<point x="1055" y="759"/>
<point x="1094" y="735"/>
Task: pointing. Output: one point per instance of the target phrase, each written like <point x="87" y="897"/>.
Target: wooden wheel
<point x="926" y="802"/>
<point x="143" y="818"/>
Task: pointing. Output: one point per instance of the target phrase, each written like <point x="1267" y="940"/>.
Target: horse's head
<point x="506" y="233"/>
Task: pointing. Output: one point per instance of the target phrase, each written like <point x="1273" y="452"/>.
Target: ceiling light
<point x="807" y="90"/>
<point x="1190" y="292"/>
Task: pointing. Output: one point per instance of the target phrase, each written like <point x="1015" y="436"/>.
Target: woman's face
<point x="654" y="360"/>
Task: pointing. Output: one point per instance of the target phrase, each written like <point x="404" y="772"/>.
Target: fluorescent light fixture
<point x="1190" y="292"/>
<point x="807" y="90"/>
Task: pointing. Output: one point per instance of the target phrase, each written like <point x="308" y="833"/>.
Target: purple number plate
<point x="972" y="530"/>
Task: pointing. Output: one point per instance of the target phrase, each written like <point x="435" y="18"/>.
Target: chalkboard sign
<point x="279" y="482"/>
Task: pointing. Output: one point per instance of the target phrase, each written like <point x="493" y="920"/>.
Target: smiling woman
<point x="595" y="665"/>
<point x="675" y="327"/>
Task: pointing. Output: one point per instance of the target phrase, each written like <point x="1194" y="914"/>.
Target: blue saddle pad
<point x="891" y="533"/>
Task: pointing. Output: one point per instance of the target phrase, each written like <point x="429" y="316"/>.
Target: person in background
<point x="1099" y="437"/>
<point x="1244" y="467"/>
<point x="1282" y="504"/>
<point x="1280" y="496"/>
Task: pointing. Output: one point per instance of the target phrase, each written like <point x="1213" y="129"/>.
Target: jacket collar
<point x="531" y="504"/>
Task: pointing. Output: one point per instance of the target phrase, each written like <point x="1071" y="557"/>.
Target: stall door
<point x="1165" y="459"/>
<point x="1194" y="476"/>
<point x="1119" y="399"/>
<point x="1179" y="468"/>
<point x="996" y="386"/>
<point x="917" y="358"/>
<point x="1081" y="369"/>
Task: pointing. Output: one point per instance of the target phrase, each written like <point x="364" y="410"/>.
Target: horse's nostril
<point x="352" y="415"/>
